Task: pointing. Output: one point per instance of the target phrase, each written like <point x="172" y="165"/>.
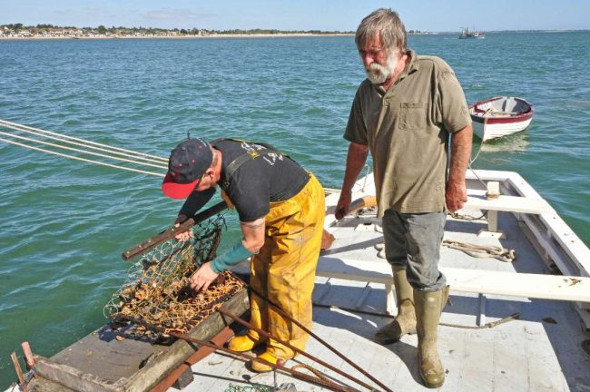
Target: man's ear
<point x="210" y="172"/>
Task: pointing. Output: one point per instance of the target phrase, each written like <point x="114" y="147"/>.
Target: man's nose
<point x="367" y="59"/>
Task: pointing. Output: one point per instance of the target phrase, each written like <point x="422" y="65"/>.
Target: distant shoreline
<point x="212" y="36"/>
<point x="222" y="36"/>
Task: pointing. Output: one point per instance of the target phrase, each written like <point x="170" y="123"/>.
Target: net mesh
<point x="156" y="298"/>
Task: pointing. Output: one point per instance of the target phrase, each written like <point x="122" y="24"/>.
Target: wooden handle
<point x="29" y="358"/>
<point x="365" y="201"/>
<point x="172" y="231"/>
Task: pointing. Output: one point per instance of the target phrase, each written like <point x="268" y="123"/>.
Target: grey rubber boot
<point x="429" y="306"/>
<point x="405" y="321"/>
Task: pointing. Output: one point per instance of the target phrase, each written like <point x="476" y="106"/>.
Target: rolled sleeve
<point x="455" y="113"/>
<point x="356" y="130"/>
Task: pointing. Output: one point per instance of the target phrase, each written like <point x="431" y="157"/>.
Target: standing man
<point x="404" y="113"/>
<point x="281" y="210"/>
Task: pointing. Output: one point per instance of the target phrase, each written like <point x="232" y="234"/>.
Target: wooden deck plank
<point x="99" y="363"/>
<point x="507" y="203"/>
<point x="555" y="287"/>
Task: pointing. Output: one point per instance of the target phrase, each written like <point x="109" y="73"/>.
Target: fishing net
<point x="156" y="298"/>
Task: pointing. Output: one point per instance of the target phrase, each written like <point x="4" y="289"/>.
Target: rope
<point x="478" y="152"/>
<point x="113" y="153"/>
<point x="82" y="159"/>
<point x="495" y="252"/>
<point x="160" y="166"/>
<point x="467" y="217"/>
<point x="67" y="139"/>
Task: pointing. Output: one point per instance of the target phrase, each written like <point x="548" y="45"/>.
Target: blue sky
<point x="326" y="15"/>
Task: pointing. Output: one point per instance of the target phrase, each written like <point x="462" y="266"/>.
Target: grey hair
<point x="383" y="23"/>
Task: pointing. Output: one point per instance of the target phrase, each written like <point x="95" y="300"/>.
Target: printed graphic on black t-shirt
<point x="271" y="176"/>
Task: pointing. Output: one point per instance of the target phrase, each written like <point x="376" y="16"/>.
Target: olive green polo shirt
<point x="407" y="130"/>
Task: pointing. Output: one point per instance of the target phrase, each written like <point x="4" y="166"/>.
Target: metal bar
<point x="303" y="327"/>
<point x="302" y="376"/>
<point x="201" y="353"/>
<point x="297" y="350"/>
<point x="513" y="316"/>
<point x="172" y="231"/>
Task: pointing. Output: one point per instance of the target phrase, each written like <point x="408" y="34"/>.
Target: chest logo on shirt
<point x="252" y="149"/>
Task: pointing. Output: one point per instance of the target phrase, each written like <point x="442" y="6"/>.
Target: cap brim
<point x="175" y="190"/>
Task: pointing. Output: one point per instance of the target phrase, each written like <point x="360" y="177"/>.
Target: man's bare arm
<point x="355" y="161"/>
<point x="456" y="193"/>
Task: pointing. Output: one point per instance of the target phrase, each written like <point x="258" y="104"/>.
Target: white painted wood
<point x="556" y="228"/>
<point x="566" y="288"/>
<point x="556" y="287"/>
<point x="509" y="203"/>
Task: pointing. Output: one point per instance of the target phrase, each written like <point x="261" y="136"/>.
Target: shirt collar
<point x="412" y="67"/>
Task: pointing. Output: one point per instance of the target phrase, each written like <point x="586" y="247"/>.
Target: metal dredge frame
<point x="156" y="294"/>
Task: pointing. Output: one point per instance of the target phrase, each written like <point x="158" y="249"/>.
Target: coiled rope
<point x="478" y="251"/>
<point x="494" y="252"/>
<point x="88" y="148"/>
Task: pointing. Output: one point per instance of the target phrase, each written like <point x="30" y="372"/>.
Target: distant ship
<point x="465" y="33"/>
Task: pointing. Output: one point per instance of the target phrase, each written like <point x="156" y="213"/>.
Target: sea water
<point x="64" y="223"/>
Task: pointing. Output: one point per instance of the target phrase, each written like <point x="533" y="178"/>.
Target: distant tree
<point x="101" y="29"/>
<point x="183" y="31"/>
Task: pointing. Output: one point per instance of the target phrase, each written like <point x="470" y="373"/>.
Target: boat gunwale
<point x="480" y="115"/>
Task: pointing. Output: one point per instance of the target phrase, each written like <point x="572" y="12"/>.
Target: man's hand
<point x="184" y="236"/>
<point x="343" y="205"/>
<point x="355" y="161"/>
<point x="456" y="196"/>
<point x="202" y="278"/>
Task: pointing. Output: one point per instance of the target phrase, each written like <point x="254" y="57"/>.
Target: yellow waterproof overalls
<point x="284" y="269"/>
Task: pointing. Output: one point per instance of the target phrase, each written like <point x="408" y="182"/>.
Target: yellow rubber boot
<point x="405" y="321"/>
<point x="243" y="343"/>
<point x="268" y="356"/>
<point x="429" y="306"/>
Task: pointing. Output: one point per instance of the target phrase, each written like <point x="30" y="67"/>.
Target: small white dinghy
<point x="500" y="116"/>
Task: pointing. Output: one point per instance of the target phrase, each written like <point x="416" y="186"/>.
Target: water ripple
<point x="64" y="224"/>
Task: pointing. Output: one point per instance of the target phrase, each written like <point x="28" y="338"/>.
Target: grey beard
<point x="377" y="74"/>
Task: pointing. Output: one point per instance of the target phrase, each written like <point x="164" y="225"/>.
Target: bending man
<point x="281" y="211"/>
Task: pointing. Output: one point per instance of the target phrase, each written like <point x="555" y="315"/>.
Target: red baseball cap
<point x="187" y="164"/>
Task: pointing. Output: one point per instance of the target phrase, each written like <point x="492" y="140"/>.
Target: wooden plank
<point x="29" y="359"/>
<point x="44" y="385"/>
<point x="557" y="287"/>
<point x="509" y="204"/>
<point x="74" y="379"/>
<point x="19" y="371"/>
<point x="99" y="363"/>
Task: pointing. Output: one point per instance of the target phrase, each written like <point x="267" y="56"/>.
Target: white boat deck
<point x="482" y="346"/>
<point x="542" y="350"/>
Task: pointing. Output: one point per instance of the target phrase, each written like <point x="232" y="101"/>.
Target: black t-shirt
<point x="269" y="177"/>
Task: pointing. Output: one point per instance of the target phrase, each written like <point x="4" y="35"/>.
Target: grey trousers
<point x="412" y="241"/>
